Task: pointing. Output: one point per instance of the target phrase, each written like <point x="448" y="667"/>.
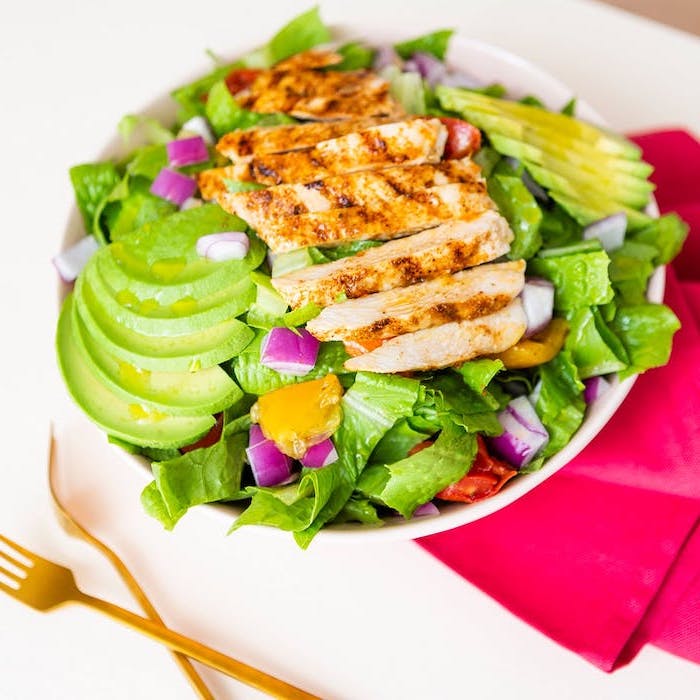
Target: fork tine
<point x="12" y="560"/>
<point x="10" y="574"/>
<point x="18" y="548"/>
<point x="8" y="589"/>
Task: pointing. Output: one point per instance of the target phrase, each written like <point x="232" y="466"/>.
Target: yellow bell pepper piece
<point x="538" y="349"/>
<point x="298" y="416"/>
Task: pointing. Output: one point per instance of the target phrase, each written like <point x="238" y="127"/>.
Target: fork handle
<point x="200" y="652"/>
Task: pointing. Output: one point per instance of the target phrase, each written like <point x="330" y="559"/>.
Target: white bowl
<point x="488" y="64"/>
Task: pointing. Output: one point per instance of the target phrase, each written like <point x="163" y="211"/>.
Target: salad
<point x="349" y="284"/>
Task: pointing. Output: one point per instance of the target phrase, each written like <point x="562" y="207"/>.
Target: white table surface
<point x="347" y="622"/>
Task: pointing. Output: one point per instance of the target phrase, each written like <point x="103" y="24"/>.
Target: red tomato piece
<point x="463" y="139"/>
<point x="240" y="79"/>
<point x="485" y="478"/>
<point x="210" y="438"/>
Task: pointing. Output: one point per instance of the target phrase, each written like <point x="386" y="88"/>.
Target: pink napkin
<point x="605" y="555"/>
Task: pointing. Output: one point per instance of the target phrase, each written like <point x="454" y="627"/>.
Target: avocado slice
<point x="200" y="393"/>
<point x="186" y="315"/>
<point x="123" y="419"/>
<point x="595" y="207"/>
<point x="176" y="353"/>
<point x="460" y="100"/>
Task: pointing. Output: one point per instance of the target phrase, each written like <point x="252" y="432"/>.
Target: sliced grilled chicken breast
<point x="408" y="142"/>
<point x="312" y="94"/>
<point x="464" y="295"/>
<point x="437" y="251"/>
<point x="313" y="58"/>
<point x="370" y="188"/>
<point x="446" y="345"/>
<point x="393" y="219"/>
<point x="241" y="144"/>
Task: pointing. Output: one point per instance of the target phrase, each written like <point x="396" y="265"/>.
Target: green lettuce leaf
<point x="358" y="510"/>
<point x="154" y="505"/>
<point x="201" y="476"/>
<point x="558" y="228"/>
<point x="301" y="34"/>
<point x="646" y="331"/>
<point x="477" y="374"/>
<point x="192" y="97"/>
<point x="406" y="484"/>
<point x="521" y="210"/>
<point x="435" y="43"/>
<point x="355" y="56"/>
<point x="408" y="89"/>
<point x="667" y="234"/>
<point x="560" y="404"/>
<point x="92" y="183"/>
<point x="132" y="126"/>
<point x="594" y="348"/>
<point x="631" y="265"/>
<point x="397" y="443"/>
<point x="344" y="250"/>
<point x="580" y="279"/>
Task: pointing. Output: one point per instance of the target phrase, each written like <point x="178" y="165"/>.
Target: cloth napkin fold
<point x="605" y="555"/>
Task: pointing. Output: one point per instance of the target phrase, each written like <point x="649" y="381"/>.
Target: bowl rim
<point x="455" y="514"/>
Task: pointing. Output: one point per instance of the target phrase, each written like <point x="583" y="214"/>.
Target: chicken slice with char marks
<point x="314" y="94"/>
<point x="393" y="219"/>
<point x="445" y="345"/>
<point x="465" y="295"/>
<point x="369" y="188"/>
<point x="244" y="143"/>
<point x="398" y="143"/>
<point x="444" y="249"/>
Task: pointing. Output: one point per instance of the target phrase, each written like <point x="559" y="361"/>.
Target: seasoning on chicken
<point x="313" y="58"/>
<point x="446" y="345"/>
<point x="314" y="94"/>
<point x="369" y="188"/>
<point x="437" y="251"/>
<point x="468" y="294"/>
<point x="408" y="142"/>
<point x="243" y="143"/>
<point x="387" y="220"/>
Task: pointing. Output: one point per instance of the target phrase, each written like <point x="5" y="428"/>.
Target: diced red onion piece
<point x="410" y="66"/>
<point x="269" y="465"/>
<point x="385" y="56"/>
<point x="430" y="68"/>
<point x="227" y="245"/>
<point x="187" y="151"/>
<point x="428" y="508"/>
<point x="523" y="433"/>
<point x="538" y="303"/>
<point x="320" y="455"/>
<point x="198" y="126"/>
<point x="173" y="186"/>
<point x="537" y="191"/>
<point x="71" y="261"/>
<point x="289" y="352"/>
<point x="610" y="231"/>
<point x="595" y="388"/>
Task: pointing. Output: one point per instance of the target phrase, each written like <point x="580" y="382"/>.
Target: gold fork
<point x="73" y="527"/>
<point x="43" y="585"/>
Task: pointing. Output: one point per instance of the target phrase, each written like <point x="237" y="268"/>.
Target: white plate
<point x="488" y="64"/>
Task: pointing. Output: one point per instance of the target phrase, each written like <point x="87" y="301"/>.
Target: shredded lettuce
<point x="355" y="56"/>
<point x="408" y="89"/>
<point x="630" y="268"/>
<point x="92" y="183"/>
<point x="667" y="234"/>
<point x="359" y="510"/>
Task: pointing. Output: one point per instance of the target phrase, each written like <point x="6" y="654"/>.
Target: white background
<point x="345" y="622"/>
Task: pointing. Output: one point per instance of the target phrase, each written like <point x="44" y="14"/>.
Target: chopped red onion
<point x="173" y="186"/>
<point x="320" y="455"/>
<point x="187" y="151"/>
<point x="385" y="56"/>
<point x="538" y="303"/>
<point x="428" y="508"/>
<point x="269" y="465"/>
<point x="431" y="69"/>
<point x="460" y="79"/>
<point x="610" y="231"/>
<point x="523" y="433"/>
<point x="198" y="126"/>
<point x="227" y="245"/>
<point x="71" y="261"/>
<point x="289" y="352"/>
<point x="595" y="388"/>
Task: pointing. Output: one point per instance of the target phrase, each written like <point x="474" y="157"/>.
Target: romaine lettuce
<point x="435" y="43"/>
